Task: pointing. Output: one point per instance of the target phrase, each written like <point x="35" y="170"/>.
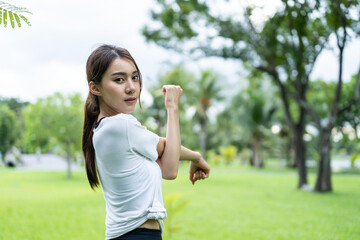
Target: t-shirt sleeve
<point x="142" y="141"/>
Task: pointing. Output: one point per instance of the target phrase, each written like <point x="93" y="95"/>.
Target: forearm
<point x="189" y="155"/>
<point x="171" y="154"/>
<point x="185" y="153"/>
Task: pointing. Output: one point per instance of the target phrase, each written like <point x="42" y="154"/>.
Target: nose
<point x="130" y="86"/>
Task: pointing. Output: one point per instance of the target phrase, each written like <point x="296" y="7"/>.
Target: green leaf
<point x="5" y="18"/>
<point x="14" y="14"/>
<point x="17" y="20"/>
<point x="11" y="16"/>
<point x="25" y="20"/>
<point x="353" y="158"/>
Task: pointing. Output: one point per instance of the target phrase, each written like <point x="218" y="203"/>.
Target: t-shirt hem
<point x="161" y="224"/>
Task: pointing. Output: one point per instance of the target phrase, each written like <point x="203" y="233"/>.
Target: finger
<point x="193" y="179"/>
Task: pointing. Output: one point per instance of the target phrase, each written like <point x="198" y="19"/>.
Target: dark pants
<point x="141" y="234"/>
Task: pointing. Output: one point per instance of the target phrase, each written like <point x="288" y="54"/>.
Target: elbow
<point x="170" y="175"/>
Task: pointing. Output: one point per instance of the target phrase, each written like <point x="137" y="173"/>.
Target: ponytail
<point x="92" y="111"/>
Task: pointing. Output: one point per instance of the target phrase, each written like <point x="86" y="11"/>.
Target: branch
<point x="341" y="46"/>
<point x="271" y="72"/>
<point x="283" y="90"/>
<point x="306" y="106"/>
<point x="252" y="28"/>
<point x="316" y="55"/>
<point x="356" y="95"/>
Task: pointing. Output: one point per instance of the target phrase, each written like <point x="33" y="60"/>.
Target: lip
<point x="130" y="100"/>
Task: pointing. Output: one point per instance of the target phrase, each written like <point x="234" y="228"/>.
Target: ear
<point x="94" y="89"/>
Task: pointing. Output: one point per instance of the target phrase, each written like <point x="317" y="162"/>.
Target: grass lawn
<point x="231" y="204"/>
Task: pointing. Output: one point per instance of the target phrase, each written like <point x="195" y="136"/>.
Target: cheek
<point x="139" y="87"/>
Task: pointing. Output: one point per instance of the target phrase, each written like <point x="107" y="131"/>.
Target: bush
<point x="228" y="153"/>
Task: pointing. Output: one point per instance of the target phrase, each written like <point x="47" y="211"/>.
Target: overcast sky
<point x="50" y="55"/>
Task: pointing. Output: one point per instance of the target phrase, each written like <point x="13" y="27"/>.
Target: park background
<point x="233" y="70"/>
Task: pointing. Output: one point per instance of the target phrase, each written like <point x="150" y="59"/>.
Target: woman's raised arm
<point x="169" y="159"/>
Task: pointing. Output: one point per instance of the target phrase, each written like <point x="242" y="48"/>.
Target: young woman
<point x="130" y="160"/>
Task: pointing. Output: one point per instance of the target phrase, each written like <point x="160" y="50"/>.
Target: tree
<point x="285" y="46"/>
<point x="67" y="128"/>
<point x="15" y="106"/>
<point x="14" y="13"/>
<point x="38" y="122"/>
<point x="252" y="109"/>
<point x="256" y="116"/>
<point x="207" y="91"/>
<point x="351" y="114"/>
<point x="321" y="98"/>
<point x="56" y="121"/>
<point x="340" y="21"/>
<point x="7" y="129"/>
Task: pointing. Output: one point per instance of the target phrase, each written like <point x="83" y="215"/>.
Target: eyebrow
<point x="123" y="73"/>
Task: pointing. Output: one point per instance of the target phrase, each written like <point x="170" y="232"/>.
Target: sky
<point x="50" y="56"/>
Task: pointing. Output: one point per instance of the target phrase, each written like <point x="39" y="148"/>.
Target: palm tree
<point x="206" y="93"/>
<point x="258" y="120"/>
<point x="254" y="109"/>
<point x="14" y="13"/>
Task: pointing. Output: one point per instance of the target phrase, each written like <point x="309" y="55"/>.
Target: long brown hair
<point x="97" y="64"/>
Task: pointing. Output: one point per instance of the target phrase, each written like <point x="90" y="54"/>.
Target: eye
<point x="136" y="77"/>
<point x="119" y="80"/>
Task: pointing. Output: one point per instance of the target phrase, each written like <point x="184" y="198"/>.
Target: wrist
<point x="174" y="108"/>
<point x="197" y="158"/>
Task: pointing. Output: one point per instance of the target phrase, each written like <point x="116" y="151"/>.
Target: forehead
<point x="121" y="65"/>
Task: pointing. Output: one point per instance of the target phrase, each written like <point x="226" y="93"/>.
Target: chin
<point x="130" y="111"/>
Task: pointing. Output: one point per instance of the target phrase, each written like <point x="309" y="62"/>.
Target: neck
<point x="106" y="111"/>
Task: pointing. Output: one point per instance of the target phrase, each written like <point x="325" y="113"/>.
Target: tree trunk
<point x="300" y="156"/>
<point x="254" y="155"/>
<point x="68" y="160"/>
<point x="297" y="130"/>
<point x="203" y="137"/>
<point x="355" y="126"/>
<point x="323" y="181"/>
<point x="256" y="160"/>
<point x="287" y="154"/>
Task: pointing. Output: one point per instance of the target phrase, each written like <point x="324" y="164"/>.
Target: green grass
<point x="231" y="204"/>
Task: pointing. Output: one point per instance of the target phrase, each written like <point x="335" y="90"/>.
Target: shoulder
<point x="112" y="125"/>
<point x="120" y="123"/>
<point x="112" y="130"/>
<point x="115" y="121"/>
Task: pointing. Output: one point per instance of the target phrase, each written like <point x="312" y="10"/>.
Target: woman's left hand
<point x="199" y="170"/>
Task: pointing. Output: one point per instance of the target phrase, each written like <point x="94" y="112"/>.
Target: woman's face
<point x="119" y="88"/>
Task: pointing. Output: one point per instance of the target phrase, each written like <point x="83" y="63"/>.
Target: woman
<point x="130" y="160"/>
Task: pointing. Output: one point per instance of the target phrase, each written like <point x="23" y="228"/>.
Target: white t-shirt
<point x="130" y="177"/>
